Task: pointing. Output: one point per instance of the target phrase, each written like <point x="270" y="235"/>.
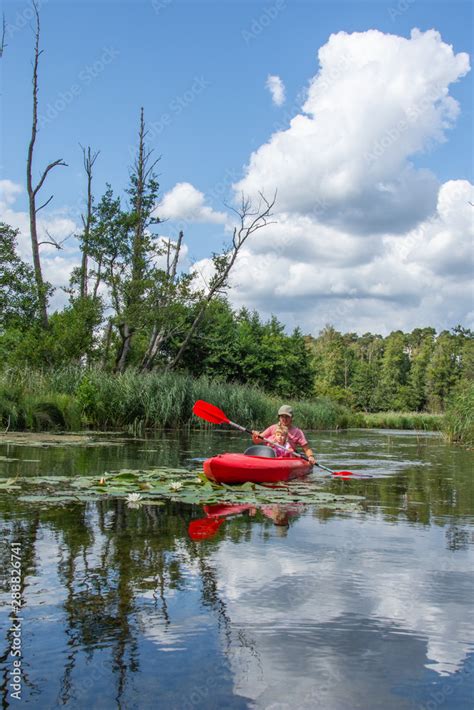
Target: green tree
<point x="19" y="305"/>
<point x="443" y="370"/>
<point x="392" y="392"/>
<point x="140" y="248"/>
<point x="333" y="363"/>
<point x="421" y="343"/>
<point x="213" y="348"/>
<point x="368" y="352"/>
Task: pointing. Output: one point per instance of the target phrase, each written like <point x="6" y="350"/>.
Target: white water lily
<point x="175" y="485"/>
<point x="133" y="500"/>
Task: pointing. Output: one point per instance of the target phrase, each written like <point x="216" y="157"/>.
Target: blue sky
<point x="199" y="69"/>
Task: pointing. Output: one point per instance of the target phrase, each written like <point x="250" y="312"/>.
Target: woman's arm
<point x="309" y="453"/>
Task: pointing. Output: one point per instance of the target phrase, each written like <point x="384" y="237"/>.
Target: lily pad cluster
<point x="153" y="487"/>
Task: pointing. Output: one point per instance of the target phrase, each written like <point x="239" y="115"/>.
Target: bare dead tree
<point x="89" y="159"/>
<point x="2" y="43"/>
<point x="34" y="190"/>
<point x="250" y="220"/>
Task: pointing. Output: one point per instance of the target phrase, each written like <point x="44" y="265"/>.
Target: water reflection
<point x="282" y="606"/>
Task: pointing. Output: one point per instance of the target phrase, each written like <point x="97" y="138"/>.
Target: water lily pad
<point x="9" y="485"/>
<point x="180" y="485"/>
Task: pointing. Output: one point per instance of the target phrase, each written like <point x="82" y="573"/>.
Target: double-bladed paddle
<point x="214" y="415"/>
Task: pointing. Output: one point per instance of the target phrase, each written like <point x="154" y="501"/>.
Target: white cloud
<point x="9" y="192"/>
<point x="376" y="100"/>
<point x="185" y="202"/>
<point x="364" y="239"/>
<point x="276" y="88"/>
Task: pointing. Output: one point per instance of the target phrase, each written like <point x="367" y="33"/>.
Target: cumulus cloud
<point x="364" y="239"/>
<point x="311" y="274"/>
<point x="376" y="100"/>
<point x="9" y="191"/>
<point x="185" y="202"/>
<point x="276" y="88"/>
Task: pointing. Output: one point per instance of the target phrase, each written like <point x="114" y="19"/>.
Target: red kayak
<point x="240" y="468"/>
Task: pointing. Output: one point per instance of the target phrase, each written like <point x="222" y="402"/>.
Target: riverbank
<point x="75" y="399"/>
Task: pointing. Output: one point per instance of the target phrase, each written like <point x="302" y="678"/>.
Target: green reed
<point x="72" y="398"/>
<point x="459" y="418"/>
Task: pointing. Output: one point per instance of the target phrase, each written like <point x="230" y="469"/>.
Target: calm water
<point x="371" y="609"/>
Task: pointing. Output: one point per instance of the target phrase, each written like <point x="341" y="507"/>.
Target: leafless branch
<point x="37" y="209"/>
<point x="54" y="242"/>
<point x="52" y="165"/>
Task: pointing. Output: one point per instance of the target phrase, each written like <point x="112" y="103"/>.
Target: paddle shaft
<point x="325" y="468"/>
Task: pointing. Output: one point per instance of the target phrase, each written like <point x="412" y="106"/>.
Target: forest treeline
<point x="417" y="371"/>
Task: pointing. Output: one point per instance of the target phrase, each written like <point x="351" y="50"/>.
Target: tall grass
<point x="398" y="420"/>
<point x="72" y="398"/>
<point x="459" y="418"/>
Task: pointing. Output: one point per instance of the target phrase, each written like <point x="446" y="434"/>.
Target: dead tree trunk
<point x="126" y="333"/>
<point x="33" y="190"/>
<point x="2" y="43"/>
<point x="89" y="160"/>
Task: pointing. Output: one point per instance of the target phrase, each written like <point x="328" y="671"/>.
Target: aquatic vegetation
<point x="75" y="398"/>
<point x="134" y="500"/>
<point x="162" y="484"/>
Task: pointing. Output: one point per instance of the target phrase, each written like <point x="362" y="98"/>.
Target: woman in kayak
<point x="295" y="436"/>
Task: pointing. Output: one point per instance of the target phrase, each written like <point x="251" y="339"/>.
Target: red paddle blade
<point x="342" y="473"/>
<point x="209" y="412"/>
<point x="204" y="528"/>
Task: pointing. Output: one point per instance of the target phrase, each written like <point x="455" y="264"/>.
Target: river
<point x="338" y="609"/>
